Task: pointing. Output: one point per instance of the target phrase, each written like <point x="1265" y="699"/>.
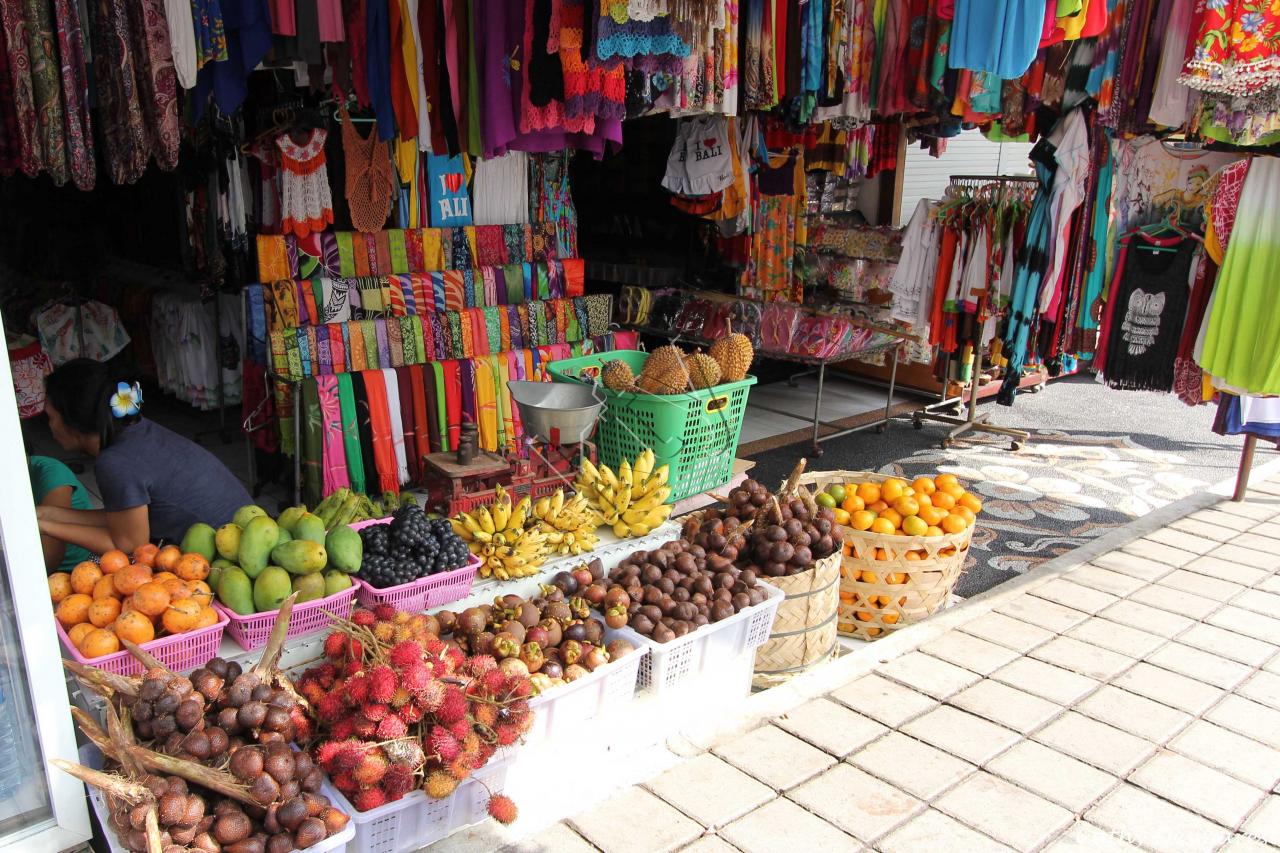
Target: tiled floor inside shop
<point x="1127" y="699"/>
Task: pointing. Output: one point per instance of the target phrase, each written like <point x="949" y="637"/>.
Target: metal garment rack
<point x="820" y="368"/>
<point x="971" y="421"/>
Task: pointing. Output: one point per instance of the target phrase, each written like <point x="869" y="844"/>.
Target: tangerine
<point x="923" y="486"/>
<point x="892" y="489"/>
<point x="208" y="618"/>
<point x="869" y="577"/>
<point x="899" y="577"/>
<point x="84" y="576"/>
<point x="914" y="525"/>
<point x="181" y="615"/>
<point x="104" y="611"/>
<point x="965" y="513"/>
<point x="893" y="517"/>
<point x="877" y="507"/>
<point x="151" y="599"/>
<point x="192" y="567"/>
<point x="869" y="492"/>
<point x="931" y="514"/>
<point x="99" y="642"/>
<point x="884" y="526"/>
<point x="200" y="591"/>
<point x="889" y="618"/>
<point x="77" y="632"/>
<point x="954" y="523"/>
<point x="944" y="500"/>
<point x="134" y="627"/>
<point x="906" y="506"/>
<point x="955" y="491"/>
<point x="853" y="504"/>
<point x="944" y="480"/>
<point x="113" y="561"/>
<point x="167" y="557"/>
<point x="104" y="588"/>
<point x="128" y="579"/>
<point x="933" y="531"/>
<point x="60" y="585"/>
<point x="923" y="499"/>
<point x="146" y="553"/>
<point x="73" y="609"/>
<point x="863" y="616"/>
<point x="970" y="502"/>
<point x="873" y="631"/>
<point x="841" y="516"/>
<point x="862" y="520"/>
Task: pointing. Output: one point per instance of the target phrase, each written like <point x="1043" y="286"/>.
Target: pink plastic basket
<point x="253" y="631"/>
<point x="179" y="652"/>
<point x="424" y="593"/>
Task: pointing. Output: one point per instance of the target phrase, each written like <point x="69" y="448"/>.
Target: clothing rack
<point x="971" y="421"/>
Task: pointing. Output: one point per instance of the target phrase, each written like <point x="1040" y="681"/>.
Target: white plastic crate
<point x="471" y="800"/>
<point x="669" y="665"/>
<point x="90" y="757"/>
<point x="563" y="708"/>
<point x="415" y="820"/>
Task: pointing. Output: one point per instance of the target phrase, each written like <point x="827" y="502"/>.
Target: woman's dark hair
<point x="81" y="391"/>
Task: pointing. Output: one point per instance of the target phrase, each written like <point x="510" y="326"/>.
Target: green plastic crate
<point x="695" y="433"/>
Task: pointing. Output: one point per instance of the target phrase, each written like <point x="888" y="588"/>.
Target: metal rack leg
<point x="817" y="407"/>
<point x="888" y="400"/>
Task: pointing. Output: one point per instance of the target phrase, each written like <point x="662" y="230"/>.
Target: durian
<point x="617" y="376"/>
<point x="664" y="372"/>
<point x="704" y="371"/>
<point x="734" y="354"/>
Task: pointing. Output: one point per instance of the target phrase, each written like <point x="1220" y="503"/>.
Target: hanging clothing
<point x="1235" y="50"/>
<point x="370" y="183"/>
<point x="999" y="36"/>
<point x="501" y="189"/>
<point x="307" y="204"/>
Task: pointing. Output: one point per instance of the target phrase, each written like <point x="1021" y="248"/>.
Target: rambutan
<point x="459" y="768"/>
<point x="471" y="746"/>
<point x="518" y="687"/>
<point x="415" y="676"/>
<point x="325" y="752"/>
<point x="385" y="632"/>
<point x="455" y="658"/>
<point x="405" y="752"/>
<point x="405" y="653"/>
<point x="325" y="672"/>
<point x="493" y="681"/>
<point x="435" y="647"/>
<point x="344" y="782"/>
<point x="357" y="689"/>
<point x="454" y="706"/>
<point x="392" y="727"/>
<point x="369" y="799"/>
<point x="460" y="729"/>
<point x="410" y="713"/>
<point x="384" y="612"/>
<point x="375" y="711"/>
<point x="397" y="781"/>
<point x="382" y="683"/>
<point x="303" y="731"/>
<point x="330" y="707"/>
<point x="363" y="617"/>
<point x="431" y="696"/>
<point x="371" y="768"/>
<point x="343" y="728"/>
<point x="335" y="645"/>
<point x="355" y="649"/>
<point x="349" y="754"/>
<point x="442" y="744"/>
<point x="365" y="727"/>
<point x="400" y="698"/>
<point x="401" y="633"/>
<point x="485" y="714"/>
<point x="312" y="692"/>
<point x="503" y="809"/>
<point x="478" y="665"/>
<point x="507" y="734"/>
<point x="440" y="785"/>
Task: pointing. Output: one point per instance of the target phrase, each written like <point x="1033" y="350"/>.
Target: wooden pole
<point x="1246" y="464"/>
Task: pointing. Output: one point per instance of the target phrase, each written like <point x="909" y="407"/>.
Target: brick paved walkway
<point x="1130" y="701"/>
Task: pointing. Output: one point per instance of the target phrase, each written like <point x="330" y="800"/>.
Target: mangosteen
<point x="595" y="630"/>
<point x="619" y="649"/>
<point x="471" y="621"/>
<point x="565" y="582"/>
<point x="552" y="669"/>
<point x="574" y="672"/>
<point x="515" y="628"/>
<point x="577" y="631"/>
<point x="594" y="594"/>
<point x="583" y="576"/>
<point x="529" y="615"/>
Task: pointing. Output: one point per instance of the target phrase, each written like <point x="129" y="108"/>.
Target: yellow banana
<point x="501" y="512"/>
<point x="485" y="520"/>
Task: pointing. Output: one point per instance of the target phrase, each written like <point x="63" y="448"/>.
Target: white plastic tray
<point x="564" y="708"/>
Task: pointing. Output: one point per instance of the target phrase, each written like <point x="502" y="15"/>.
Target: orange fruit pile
<point x="117" y="598"/>
<point x="924" y="507"/>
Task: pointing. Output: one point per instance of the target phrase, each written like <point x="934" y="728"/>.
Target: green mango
<point x="300" y="557"/>
<point x="235" y="591"/>
<point x="345" y="549"/>
<point x="221" y="563"/>
<point x="285" y="536"/>
<point x="199" y="540"/>
<point x="270" y="588"/>
<point x="227" y="541"/>
<point x="246" y="514"/>
<point x="334" y="582"/>
<point x="260" y="536"/>
<point x="309" y="527"/>
<point x="309" y="587"/>
<point x="289" y="517"/>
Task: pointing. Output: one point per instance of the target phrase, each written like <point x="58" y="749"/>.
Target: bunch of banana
<point x="633" y="501"/>
<point x="497" y="534"/>
<point x="570" y="525"/>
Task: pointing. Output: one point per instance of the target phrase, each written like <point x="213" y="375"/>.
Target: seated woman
<point x="154" y="483"/>
<point x="54" y="485"/>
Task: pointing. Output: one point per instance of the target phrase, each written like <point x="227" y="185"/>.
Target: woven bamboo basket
<point x="887" y="582"/>
<point x="804" y="631"/>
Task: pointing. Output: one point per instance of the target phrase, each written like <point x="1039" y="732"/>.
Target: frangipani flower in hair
<point x="127" y="400"/>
